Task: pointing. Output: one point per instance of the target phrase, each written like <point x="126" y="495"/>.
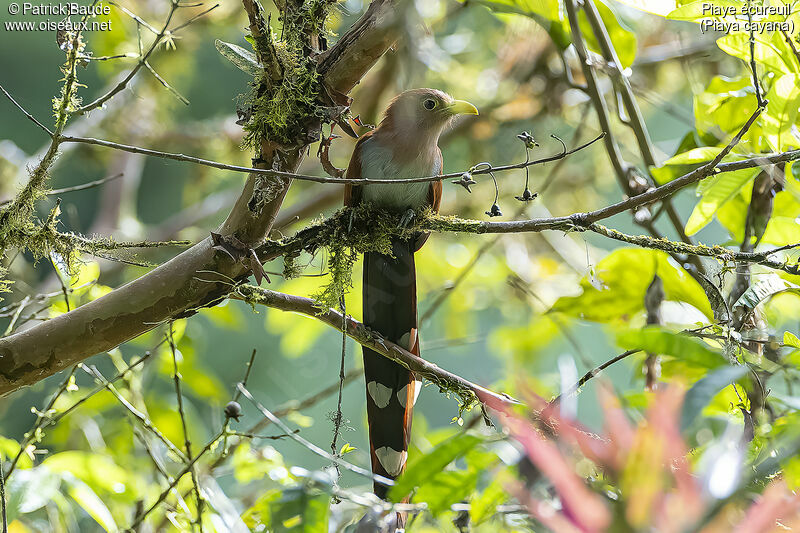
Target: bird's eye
<point x="429" y="104"/>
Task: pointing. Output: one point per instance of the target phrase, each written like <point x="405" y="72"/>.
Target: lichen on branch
<point x="283" y="103"/>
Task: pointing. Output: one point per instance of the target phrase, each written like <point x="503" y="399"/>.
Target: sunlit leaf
<point x="91" y="503"/>
<point x="724" y="187"/>
<point x="622" y="280"/>
<point x="763" y="289"/>
<point x="725" y="105"/>
<point x="702" y="154"/>
<point x="96" y="470"/>
<point x="553" y="19"/>
<point x="771" y="50"/>
<point x="780" y="118"/>
<point x="659" y="341"/>
<point x="790" y="339"/>
<point x="446" y="488"/>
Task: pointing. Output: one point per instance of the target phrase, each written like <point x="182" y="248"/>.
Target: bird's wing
<point x="434" y="197"/>
<point x="435" y="192"/>
<point x="352" y="193"/>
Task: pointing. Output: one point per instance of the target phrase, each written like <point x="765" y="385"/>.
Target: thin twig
<point x="317" y="179"/>
<point x="186" y="441"/>
<point x="142" y="61"/>
<point x="194" y="18"/>
<point x="337" y="417"/>
<point x="15" y="316"/>
<point x="757" y="86"/>
<point x="3" y="495"/>
<point x="160" y="469"/>
<point x="42" y="421"/>
<point x="64" y="289"/>
<point x="138" y="415"/>
<point x="100" y="388"/>
<point x="84" y="186"/>
<point x="592" y="373"/>
<point x="138" y="520"/>
<point x="311" y="446"/>
<point x="30" y="117"/>
<point x="791" y="44"/>
<point x="236" y="394"/>
<point x="289" y="407"/>
<point x="635" y="122"/>
<point x="716" y="251"/>
<point x="252" y="436"/>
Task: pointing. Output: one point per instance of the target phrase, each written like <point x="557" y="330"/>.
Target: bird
<point x="403" y="145"/>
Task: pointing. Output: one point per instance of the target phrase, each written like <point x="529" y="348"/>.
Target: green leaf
<point x="655" y="340"/>
<point x="784" y="224"/>
<point x="790" y="339"/>
<point x="719" y="190"/>
<point x="725" y="105"/>
<point x="780" y="117"/>
<point x="347" y="448"/>
<point x="705" y="389"/>
<point x="484" y="506"/>
<point x="697" y="11"/>
<point x="702" y="154"/>
<point x="446" y="488"/>
<point x="770" y="50"/>
<point x="760" y="291"/>
<point x="259" y="514"/>
<point x="618" y="288"/>
<point x="549" y="15"/>
<point x="90" y="502"/>
<point x="623" y="40"/>
<point x="98" y="471"/>
<point x="435" y="461"/>
<point x="656" y="7"/>
<point x="244" y="59"/>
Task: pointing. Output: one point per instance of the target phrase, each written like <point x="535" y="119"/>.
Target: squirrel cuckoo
<point x="404" y="145"/>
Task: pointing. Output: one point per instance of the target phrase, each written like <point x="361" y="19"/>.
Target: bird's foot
<point x="408" y="219"/>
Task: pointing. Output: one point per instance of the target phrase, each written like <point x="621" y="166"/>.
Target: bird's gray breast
<point x="377" y="163"/>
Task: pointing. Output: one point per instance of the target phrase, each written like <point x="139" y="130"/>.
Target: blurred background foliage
<point x="522" y="312"/>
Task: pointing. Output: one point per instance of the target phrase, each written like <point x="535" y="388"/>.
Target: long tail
<point x="390" y="308"/>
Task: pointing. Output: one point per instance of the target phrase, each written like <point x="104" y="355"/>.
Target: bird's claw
<point x="407" y="219"/>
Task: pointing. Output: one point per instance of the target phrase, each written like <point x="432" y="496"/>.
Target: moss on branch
<point x="350" y="231"/>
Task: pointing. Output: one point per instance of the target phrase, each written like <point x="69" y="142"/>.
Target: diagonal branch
<point x="469" y="392"/>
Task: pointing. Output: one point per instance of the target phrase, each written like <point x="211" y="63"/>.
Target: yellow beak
<point x="462" y="107"/>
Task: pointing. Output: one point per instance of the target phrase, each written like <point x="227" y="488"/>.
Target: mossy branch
<point x="367" y="229"/>
<point x="716" y="251"/>
<point x="468" y="393"/>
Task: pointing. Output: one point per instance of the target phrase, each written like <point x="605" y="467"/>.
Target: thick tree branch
<point x="360" y="48"/>
<point x="447" y="381"/>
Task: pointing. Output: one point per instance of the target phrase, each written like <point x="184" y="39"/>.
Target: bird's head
<point x="424" y="113"/>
